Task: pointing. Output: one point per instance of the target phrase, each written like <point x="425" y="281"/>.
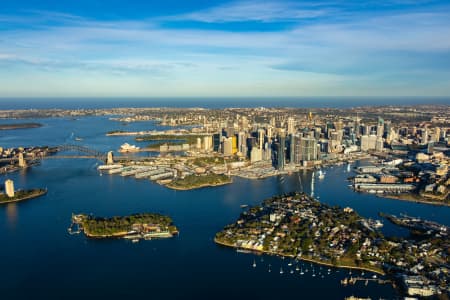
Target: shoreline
<point x="435" y="203"/>
<point x="307" y="259"/>
<point x="39" y="194"/>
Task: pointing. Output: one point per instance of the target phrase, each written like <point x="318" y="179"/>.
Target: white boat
<point x="321" y="174"/>
<point x="281" y="270"/>
<point x="254" y="264"/>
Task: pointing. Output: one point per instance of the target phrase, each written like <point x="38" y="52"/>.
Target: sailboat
<point x="321" y="174"/>
<point x="301" y="271"/>
<point x="281" y="270"/>
<point x="312" y="185"/>
<point x="270" y="270"/>
<point x="254" y="264"/>
<point x="348" y="168"/>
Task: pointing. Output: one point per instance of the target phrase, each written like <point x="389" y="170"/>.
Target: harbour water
<point x="40" y="260"/>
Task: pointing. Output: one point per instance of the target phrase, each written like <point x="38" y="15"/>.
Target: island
<point x="194" y="181"/>
<point x="296" y="225"/>
<point x="19" y="126"/>
<point x="135" y="227"/>
<point x="21" y="195"/>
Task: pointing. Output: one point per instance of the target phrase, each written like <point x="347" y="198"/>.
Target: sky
<point x="183" y="48"/>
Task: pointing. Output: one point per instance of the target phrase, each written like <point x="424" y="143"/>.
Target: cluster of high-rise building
<point x="306" y="140"/>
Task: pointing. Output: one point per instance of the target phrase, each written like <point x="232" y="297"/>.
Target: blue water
<point x="39" y="260"/>
<point x="216" y="102"/>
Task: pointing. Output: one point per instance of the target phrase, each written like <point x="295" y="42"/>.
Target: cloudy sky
<point x="119" y="48"/>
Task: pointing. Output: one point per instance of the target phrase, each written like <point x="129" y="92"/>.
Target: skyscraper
<point x="9" y="188"/>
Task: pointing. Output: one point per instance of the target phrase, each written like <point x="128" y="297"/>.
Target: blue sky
<point x="92" y="48"/>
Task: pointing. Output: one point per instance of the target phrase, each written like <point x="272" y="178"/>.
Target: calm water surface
<point x="39" y="260"/>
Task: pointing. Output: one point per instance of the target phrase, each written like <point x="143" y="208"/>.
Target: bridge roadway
<point x="87" y="153"/>
<point x="103" y="158"/>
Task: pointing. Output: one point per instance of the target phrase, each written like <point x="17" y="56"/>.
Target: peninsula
<point x="134" y="227"/>
<point x="296" y="225"/>
<point x="198" y="181"/>
<point x="21" y="195"/>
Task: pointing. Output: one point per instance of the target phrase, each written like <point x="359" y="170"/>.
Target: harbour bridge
<point x="82" y="153"/>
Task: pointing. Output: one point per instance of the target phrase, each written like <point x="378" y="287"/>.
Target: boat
<point x="281" y="270"/>
<point x="254" y="264"/>
<point x="78" y="139"/>
<point x="239" y="250"/>
<point x="292" y="272"/>
<point x="244" y="206"/>
<point x="321" y="174"/>
<point x="270" y="270"/>
<point x="301" y="271"/>
<point x="135" y="240"/>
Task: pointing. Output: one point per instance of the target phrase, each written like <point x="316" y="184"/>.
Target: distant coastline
<point x="19" y="126"/>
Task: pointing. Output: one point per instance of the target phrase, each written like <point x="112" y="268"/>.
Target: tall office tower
<point x="269" y="132"/>
<point x="22" y="162"/>
<point x="234" y="148"/>
<point x="110" y="158"/>
<point x="372" y="141"/>
<point x="317" y="133"/>
<point x="242" y="138"/>
<point x="207" y="143"/>
<point x="261" y="136"/>
<point x="380" y="127"/>
<point x="387" y="128"/>
<point x="339" y="125"/>
<point x="364" y="142"/>
<point x="273" y="122"/>
<point x="255" y="155"/>
<point x="244" y="123"/>
<point x="217" y="137"/>
<point x="227" y="147"/>
<point x="308" y="149"/>
<point x="379" y="145"/>
<point x="437" y="134"/>
<point x="424" y="136"/>
<point x="9" y="188"/>
<point x="297" y="149"/>
<point x="280" y="151"/>
<point x="292" y="149"/>
<point x="290" y="125"/>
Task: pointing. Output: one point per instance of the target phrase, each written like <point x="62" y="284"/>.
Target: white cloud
<point x="263" y="11"/>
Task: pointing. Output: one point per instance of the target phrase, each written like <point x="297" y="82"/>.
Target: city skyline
<point x="223" y="48"/>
